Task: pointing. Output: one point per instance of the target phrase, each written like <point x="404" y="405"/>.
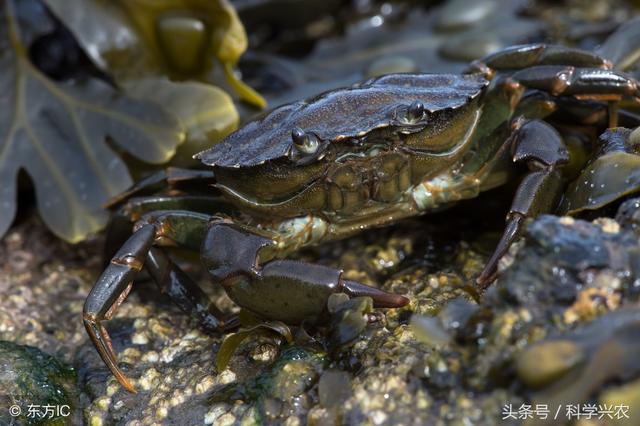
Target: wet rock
<point x="462" y="30"/>
<point x="43" y="283"/>
<point x="334" y="388"/>
<point x="391" y="65"/>
<point x="625" y="396"/>
<point x="31" y="381"/>
<point x="545" y="362"/>
<point x="429" y="330"/>
<point x="628" y="214"/>
<point x="348" y="318"/>
<point x="172" y="369"/>
<point x="609" y="346"/>
<point x="563" y="257"/>
<point x="554" y="284"/>
<point x="463" y="13"/>
<point x="278" y="391"/>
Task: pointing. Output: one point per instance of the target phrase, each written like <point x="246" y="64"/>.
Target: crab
<point x="347" y="161"/>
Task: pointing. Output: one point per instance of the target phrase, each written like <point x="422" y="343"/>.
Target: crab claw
<point x="381" y="299"/>
<point x="284" y="290"/>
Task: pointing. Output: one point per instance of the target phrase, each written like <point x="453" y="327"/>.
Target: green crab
<point x="350" y="160"/>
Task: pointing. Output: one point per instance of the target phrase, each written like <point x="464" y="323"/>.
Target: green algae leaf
<point x="608" y="178"/>
<point x="233" y="341"/>
<point x="57" y="132"/>
<point x="611" y="176"/>
<point x="207" y="113"/>
<point x="134" y="39"/>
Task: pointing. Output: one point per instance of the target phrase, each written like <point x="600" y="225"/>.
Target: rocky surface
<point x="568" y="295"/>
<point x="559" y="329"/>
<point x="36" y="387"/>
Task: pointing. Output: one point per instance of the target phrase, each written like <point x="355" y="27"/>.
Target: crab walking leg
<point x="540" y="147"/>
<point x="157" y="181"/>
<point x="110" y="291"/>
<point x="185" y="229"/>
<point x="241" y="259"/>
<point x="115" y="282"/>
<point x="119" y="227"/>
<point x="185" y="293"/>
<point x="593" y="113"/>
<point x="540" y="104"/>
<point x="582" y="83"/>
<point x="134" y="208"/>
<point x="528" y="55"/>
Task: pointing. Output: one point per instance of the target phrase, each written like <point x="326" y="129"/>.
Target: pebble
<point x="543" y="363"/>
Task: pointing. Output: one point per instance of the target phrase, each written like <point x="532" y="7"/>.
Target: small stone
<point x="113" y="387"/>
<point x="608" y="225"/>
<point x="627" y="397"/>
<point x="545" y="362"/>
<point x="467" y="46"/>
<point x="162" y="412"/>
<point x="227" y="419"/>
<point x="130" y="355"/>
<point x="458" y="14"/>
<point x="149" y="380"/>
<point x="292" y="421"/>
<point x="429" y="330"/>
<point x="226" y="377"/>
<point x="140" y="339"/>
<point x="566" y="221"/>
<point x="378" y="417"/>
<point x="150" y="357"/>
<point x="215" y="413"/>
<point x="334" y="388"/>
<point x="103" y="403"/>
<point x="390" y="65"/>
<point x="590" y="303"/>
<point x="265" y="353"/>
<point x="634" y="137"/>
<point x="205" y="384"/>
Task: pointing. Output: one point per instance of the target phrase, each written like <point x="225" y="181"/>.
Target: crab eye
<point x="415" y="111"/>
<point x="304" y="142"/>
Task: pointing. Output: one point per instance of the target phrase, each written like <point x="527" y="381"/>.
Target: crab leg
<point x="185" y="293"/>
<point x="115" y="282"/>
<point x="591" y="113"/>
<point x="565" y="71"/>
<point x="539" y="146"/>
<point x="529" y="55"/>
<point x="119" y="228"/>
<point x="583" y="83"/>
<point x="110" y="291"/>
<point x="157" y="181"/>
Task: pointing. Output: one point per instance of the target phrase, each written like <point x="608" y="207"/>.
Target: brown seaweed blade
<point x="57" y="133"/>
